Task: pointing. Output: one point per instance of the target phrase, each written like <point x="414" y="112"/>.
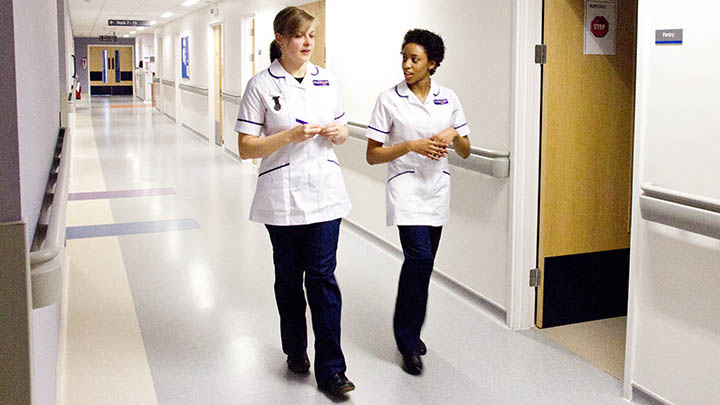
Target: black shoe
<point x="412" y="364"/>
<point x="299" y="364"/>
<point x="338" y="385"/>
<point x="423" y="348"/>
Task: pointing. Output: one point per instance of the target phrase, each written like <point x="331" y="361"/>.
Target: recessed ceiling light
<point x="126" y="36"/>
<point x="189" y="3"/>
<point x="132" y="32"/>
<point x="166" y="14"/>
<point x="153" y="22"/>
<point x="141" y="28"/>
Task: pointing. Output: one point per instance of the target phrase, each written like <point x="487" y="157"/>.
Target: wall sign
<point x="185" y="57"/>
<point x="600" y="27"/>
<point x="671" y="37"/>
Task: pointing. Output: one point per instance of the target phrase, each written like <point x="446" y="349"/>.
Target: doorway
<point x="217" y="84"/>
<point x="587" y="126"/>
<point x="111" y="70"/>
<point x="317" y="10"/>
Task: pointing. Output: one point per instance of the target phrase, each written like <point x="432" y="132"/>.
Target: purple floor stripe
<point x="130" y="228"/>
<point x="99" y="195"/>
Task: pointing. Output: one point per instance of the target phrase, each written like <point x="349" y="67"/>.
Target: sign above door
<point x="129" y="23"/>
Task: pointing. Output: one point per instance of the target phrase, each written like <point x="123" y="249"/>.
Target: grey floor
<point x="205" y="305"/>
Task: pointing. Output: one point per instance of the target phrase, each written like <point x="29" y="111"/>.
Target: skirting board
<point x="196" y="133"/>
<point x="496" y="312"/>
<point x="639" y="392"/>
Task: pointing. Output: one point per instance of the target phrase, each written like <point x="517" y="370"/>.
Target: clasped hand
<point x="434" y="147"/>
<point x="304" y="132"/>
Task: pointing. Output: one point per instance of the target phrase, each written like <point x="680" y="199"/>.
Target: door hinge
<point x="534" y="277"/>
<point x="541" y="54"/>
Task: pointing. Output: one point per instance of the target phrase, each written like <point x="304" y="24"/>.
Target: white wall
<point x="674" y="333"/>
<point x="478" y="65"/>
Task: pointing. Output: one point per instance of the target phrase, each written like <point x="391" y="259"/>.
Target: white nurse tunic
<point x="418" y="188"/>
<point x="301" y="183"/>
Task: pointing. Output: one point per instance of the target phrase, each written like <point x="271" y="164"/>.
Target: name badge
<point x="440" y="101"/>
<point x="321" y="82"/>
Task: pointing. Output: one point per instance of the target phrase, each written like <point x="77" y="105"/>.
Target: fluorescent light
<point x="132" y="32"/>
<point x="141" y="28"/>
<point x="189" y="3"/>
<point x="126" y="36"/>
<point x="153" y="22"/>
<point x="166" y="14"/>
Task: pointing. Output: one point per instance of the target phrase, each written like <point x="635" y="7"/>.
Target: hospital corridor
<point x="360" y="202"/>
<point x="171" y="298"/>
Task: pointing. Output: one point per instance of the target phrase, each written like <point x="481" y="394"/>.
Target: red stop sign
<point x="599" y="26"/>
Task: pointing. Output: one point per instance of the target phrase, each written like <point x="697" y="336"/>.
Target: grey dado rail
<point x="47" y="256"/>
<point x="194" y="89"/>
<point x="231" y="98"/>
<point x="689" y="212"/>
<point x="168" y="83"/>
<point x="155" y="80"/>
<point x="490" y="162"/>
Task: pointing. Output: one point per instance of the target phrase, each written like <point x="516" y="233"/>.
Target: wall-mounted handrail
<point x="680" y="210"/>
<point x="487" y="161"/>
<point x="231" y="98"/>
<point x="55" y="235"/>
<point x="47" y="257"/>
<point x="194" y="89"/>
<point x="168" y="83"/>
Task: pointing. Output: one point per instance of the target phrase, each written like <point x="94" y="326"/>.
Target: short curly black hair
<point x="431" y="42"/>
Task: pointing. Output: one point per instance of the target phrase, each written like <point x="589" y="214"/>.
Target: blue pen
<point x="300" y="121"/>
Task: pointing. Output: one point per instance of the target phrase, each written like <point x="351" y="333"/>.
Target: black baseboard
<point x="585" y="287"/>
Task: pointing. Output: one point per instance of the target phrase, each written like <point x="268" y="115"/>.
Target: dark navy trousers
<point x="309" y="251"/>
<point x="419" y="244"/>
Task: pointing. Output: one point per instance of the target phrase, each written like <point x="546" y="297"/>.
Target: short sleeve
<point x="380" y="121"/>
<point x="340" y="116"/>
<point x="251" y="116"/>
<point x="459" y="122"/>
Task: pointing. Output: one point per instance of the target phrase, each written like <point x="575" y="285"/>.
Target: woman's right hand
<point x="428" y="147"/>
<point x="303" y="132"/>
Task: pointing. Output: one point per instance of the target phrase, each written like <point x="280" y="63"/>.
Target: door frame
<point x="525" y="164"/>
<point x="211" y="77"/>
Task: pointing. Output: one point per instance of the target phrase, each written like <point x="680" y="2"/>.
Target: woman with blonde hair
<point x="300" y="194"/>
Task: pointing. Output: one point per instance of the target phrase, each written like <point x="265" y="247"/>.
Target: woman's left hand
<point x="446" y="136"/>
<point x="337" y="134"/>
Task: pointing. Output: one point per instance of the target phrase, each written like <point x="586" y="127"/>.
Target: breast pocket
<point x="277" y="114"/>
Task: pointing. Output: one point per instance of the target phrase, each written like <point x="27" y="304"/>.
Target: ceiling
<point x="89" y="18"/>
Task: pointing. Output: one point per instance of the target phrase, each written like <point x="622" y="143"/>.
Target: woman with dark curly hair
<point x="410" y="129"/>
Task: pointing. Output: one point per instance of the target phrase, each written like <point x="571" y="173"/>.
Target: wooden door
<point x="111" y="70"/>
<point x="218" y="71"/>
<point x="585" y="170"/>
<point x="317" y="9"/>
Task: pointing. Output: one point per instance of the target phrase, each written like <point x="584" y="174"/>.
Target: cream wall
<point x="674" y="325"/>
